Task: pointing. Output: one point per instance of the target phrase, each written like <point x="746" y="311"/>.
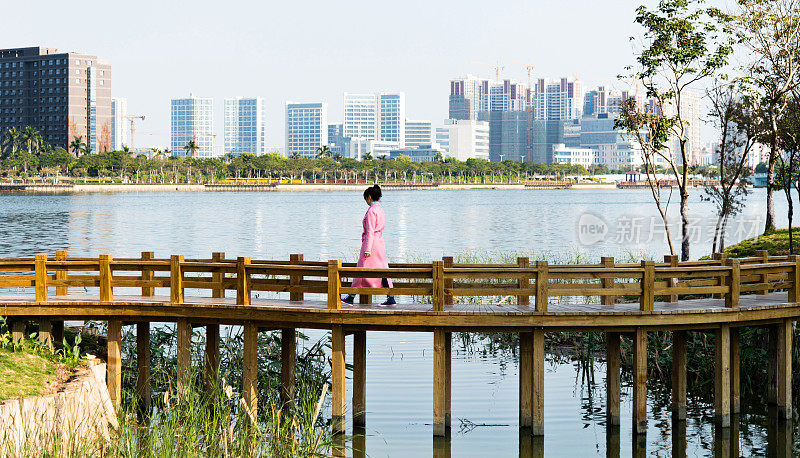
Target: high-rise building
<point x="61" y="95"/>
<point x="336" y="138"/>
<point x="418" y="133"/>
<point x="510" y="136"/>
<point x="245" y="126"/>
<point x="360" y="116"/>
<point x="464" y="139"/>
<point x="392" y="118"/>
<point x="119" y="133"/>
<point x="470" y="95"/>
<point x="691" y="115"/>
<point x="612" y="146"/>
<point x="559" y="100"/>
<point x="192" y="119"/>
<point x="306" y="127"/>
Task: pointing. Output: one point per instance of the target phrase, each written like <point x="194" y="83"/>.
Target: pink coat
<point x="372" y="242"/>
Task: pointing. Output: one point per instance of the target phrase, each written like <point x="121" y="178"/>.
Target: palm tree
<point x="77" y="146"/>
<point x="324" y="151"/>
<point x="366" y="156"/>
<point x="11" y="141"/>
<point x="33" y="139"/>
<point x="295" y="155"/>
<point x="191" y="148"/>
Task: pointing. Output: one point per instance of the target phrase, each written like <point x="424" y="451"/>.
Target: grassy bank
<point x="776" y="243"/>
<point x="24" y="374"/>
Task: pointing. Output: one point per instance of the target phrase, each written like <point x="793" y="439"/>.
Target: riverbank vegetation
<point x="195" y="421"/>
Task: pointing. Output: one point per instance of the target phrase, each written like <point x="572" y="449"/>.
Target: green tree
<point x="684" y="44"/>
<point x="191" y="148"/>
<point x="770" y="31"/>
<point x="324" y="152"/>
<point x="77" y="146"/>
<point x="11" y="142"/>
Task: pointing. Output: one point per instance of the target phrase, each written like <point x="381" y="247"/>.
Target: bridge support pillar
<point x="250" y="369"/>
<point x="288" y="351"/>
<point x="338" y="376"/>
<point x="142" y="369"/>
<point x="537" y="426"/>
<point x="613" y="359"/>
<point x="359" y="378"/>
<point x="722" y="376"/>
<point x="783" y="366"/>
<point x="184" y="353"/>
<point x="679" y="375"/>
<point x="736" y="405"/>
<point x="114" y="363"/>
<point x="525" y="379"/>
<point x="441" y="382"/>
<point x="640" y="381"/>
<point x="212" y="357"/>
<point x="18" y="330"/>
<point x="46" y="332"/>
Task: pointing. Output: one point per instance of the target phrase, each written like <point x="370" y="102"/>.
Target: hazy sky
<point x="314" y="50"/>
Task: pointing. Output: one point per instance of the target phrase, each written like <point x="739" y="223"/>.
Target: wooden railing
<point x="440" y="283"/>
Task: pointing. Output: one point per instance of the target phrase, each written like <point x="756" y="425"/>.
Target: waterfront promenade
<point x="441" y="297"/>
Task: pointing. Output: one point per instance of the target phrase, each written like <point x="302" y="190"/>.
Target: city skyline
<point x="229" y="59"/>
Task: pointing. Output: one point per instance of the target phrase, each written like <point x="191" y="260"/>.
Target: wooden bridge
<point x="621" y="300"/>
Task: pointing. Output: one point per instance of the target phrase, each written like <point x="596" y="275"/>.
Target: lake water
<point x="423" y="225"/>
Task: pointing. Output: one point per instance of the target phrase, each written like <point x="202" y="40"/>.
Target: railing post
<point x="794" y="277"/>
<point x="437" y="284"/>
<point x="733" y="283"/>
<point x="218" y="291"/>
<point x="40" y="277"/>
<point x="106" y="290"/>
<point x="764" y="255"/>
<point x="176" y="279"/>
<point x="448" y="282"/>
<point x="607" y="283"/>
<point x="295" y="280"/>
<point x="542" y="285"/>
<point x="242" y="281"/>
<point x="648" y="285"/>
<point x="672" y="281"/>
<point x="334" y="283"/>
<point x="523" y="283"/>
<point x="147" y="274"/>
<point x="722" y="258"/>
<point x="61" y="275"/>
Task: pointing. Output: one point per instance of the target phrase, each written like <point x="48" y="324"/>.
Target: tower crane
<point x="132" y="119"/>
<point x="496" y="68"/>
<point x="529" y="68"/>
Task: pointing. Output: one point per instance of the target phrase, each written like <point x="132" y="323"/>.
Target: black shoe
<point x="349" y="299"/>
<point x="389" y="301"/>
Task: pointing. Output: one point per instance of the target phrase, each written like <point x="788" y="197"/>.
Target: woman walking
<point x="373" y="248"/>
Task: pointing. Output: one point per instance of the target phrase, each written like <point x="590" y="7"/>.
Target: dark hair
<point x="373" y="191"/>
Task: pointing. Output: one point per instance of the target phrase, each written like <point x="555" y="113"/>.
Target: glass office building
<point x="192" y="119"/>
<point x="245" y="126"/>
<point x="306" y="128"/>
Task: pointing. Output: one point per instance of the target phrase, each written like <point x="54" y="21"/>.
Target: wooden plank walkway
<point x="726" y="294"/>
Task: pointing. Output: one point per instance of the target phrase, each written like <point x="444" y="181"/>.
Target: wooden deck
<point x="702" y="313"/>
<point x="621" y="300"/>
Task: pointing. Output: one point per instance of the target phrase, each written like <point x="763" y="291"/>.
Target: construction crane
<point x="496" y="68"/>
<point x="132" y="119"/>
<point x="529" y="68"/>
